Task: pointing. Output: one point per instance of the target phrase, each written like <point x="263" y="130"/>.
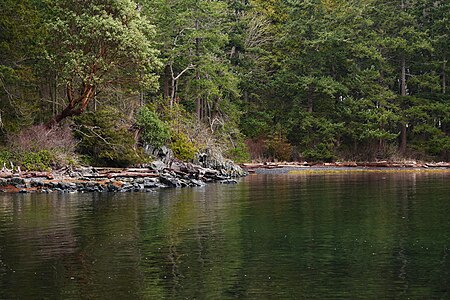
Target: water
<point x="335" y="236"/>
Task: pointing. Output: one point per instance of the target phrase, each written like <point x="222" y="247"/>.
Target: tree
<point x="194" y="35"/>
<point x="21" y="49"/>
<point x="96" y="44"/>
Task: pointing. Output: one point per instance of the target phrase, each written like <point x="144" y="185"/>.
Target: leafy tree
<point x="105" y="139"/>
<point x="21" y="48"/>
<point x="194" y="35"/>
<point x="101" y="43"/>
<point x="155" y="131"/>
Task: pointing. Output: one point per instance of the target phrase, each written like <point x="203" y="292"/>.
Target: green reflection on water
<point x="361" y="236"/>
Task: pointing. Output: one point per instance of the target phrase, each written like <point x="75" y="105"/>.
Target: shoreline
<point x="100" y="179"/>
<point x="180" y="174"/>
<point x="304" y="168"/>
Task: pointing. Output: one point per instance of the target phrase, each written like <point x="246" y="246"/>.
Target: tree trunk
<point x="403" y="132"/>
<point x="76" y="106"/>
<point x="444" y="79"/>
<point x="173" y="91"/>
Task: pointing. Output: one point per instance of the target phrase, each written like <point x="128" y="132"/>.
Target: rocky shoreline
<point x="169" y="173"/>
<point x="144" y="179"/>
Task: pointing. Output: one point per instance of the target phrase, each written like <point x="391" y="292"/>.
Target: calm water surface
<point x="336" y="236"/>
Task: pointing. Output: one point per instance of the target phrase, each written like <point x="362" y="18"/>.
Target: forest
<point x="95" y="81"/>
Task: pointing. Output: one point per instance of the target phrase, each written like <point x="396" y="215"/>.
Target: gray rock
<point x="169" y="180"/>
<point x="158" y="165"/>
<point x="67" y="185"/>
<point x="36" y="183"/>
<point x="112" y="188"/>
<point x="17" y="181"/>
<point x="163" y="154"/>
<point x="196" y="182"/>
<point x="228" y="181"/>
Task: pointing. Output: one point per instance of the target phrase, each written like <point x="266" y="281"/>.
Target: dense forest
<point x="314" y="80"/>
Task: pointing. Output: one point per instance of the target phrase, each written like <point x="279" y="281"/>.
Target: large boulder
<point x="211" y="159"/>
<point x="163" y="154"/>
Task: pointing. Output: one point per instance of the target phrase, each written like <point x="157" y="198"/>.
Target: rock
<point x="158" y="165"/>
<point x="36" y="183"/>
<point x="126" y="187"/>
<point x="228" y="181"/>
<point x="169" y="180"/>
<point x="17" y="181"/>
<point x="196" y="182"/>
<point x="67" y="185"/>
<point x="214" y="160"/>
<point x="150" y="183"/>
<point x="163" y="154"/>
<point x="112" y="188"/>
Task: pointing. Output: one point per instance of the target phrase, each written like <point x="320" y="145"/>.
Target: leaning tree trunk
<point x="76" y="106"/>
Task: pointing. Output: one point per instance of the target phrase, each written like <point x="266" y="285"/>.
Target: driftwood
<point x="132" y="175"/>
<point x="9" y="174"/>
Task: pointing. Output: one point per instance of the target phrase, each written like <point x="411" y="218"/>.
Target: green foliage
<point x="101" y="41"/>
<point x="5" y="158"/>
<point x="42" y="160"/>
<point x="321" y="152"/>
<point x="239" y="153"/>
<point x="155" y="132"/>
<point x="182" y="147"/>
<point x="105" y="139"/>
<point x="37" y="161"/>
<point x="321" y="77"/>
<point x="277" y="147"/>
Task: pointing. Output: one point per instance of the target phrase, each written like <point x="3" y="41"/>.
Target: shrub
<point x="6" y="157"/>
<point x="39" y="137"/>
<point x="321" y="152"/>
<point x="154" y="131"/>
<point x="37" y="161"/>
<point x="278" y="148"/>
<point x="58" y="142"/>
<point x="39" y="148"/>
<point x="182" y="147"/>
<point x="239" y="153"/>
<point x="105" y="139"/>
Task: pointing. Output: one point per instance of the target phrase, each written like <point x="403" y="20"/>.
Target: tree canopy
<point x="282" y="79"/>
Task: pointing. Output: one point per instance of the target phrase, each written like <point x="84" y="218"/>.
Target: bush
<point x="321" y="152"/>
<point x="155" y="132"/>
<point x="277" y="147"/>
<point x="182" y="147"/>
<point x="37" y="161"/>
<point x="239" y="153"/>
<point x="105" y="139"/>
<point x="6" y="157"/>
<point x="39" y="137"/>
<point x="37" y="141"/>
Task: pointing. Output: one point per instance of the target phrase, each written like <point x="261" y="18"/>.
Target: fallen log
<point x="131" y="175"/>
